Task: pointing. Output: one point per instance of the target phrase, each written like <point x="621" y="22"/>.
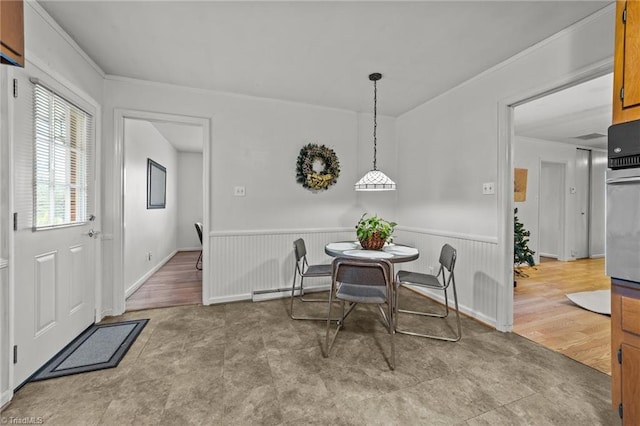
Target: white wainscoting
<point x="476" y="270"/>
<point x="246" y="261"/>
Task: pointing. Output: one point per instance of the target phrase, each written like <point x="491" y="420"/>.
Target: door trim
<point x="120" y="115"/>
<point x="504" y="308"/>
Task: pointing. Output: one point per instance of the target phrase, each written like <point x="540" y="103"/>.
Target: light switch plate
<point x="488" y="188"/>
<point x="238" y="191"/>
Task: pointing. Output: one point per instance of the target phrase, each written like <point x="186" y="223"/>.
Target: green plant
<point x="369" y="227"/>
<point x="521" y="252"/>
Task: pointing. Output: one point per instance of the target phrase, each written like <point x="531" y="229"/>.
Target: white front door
<point x="54" y="268"/>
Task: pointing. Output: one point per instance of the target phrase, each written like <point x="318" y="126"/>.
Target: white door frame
<point x="118" y="206"/>
<point x="504" y="312"/>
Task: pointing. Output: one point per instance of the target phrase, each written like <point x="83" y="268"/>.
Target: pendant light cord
<point x="375" y="122"/>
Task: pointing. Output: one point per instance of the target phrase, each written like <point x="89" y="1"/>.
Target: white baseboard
<point x="597" y="256"/>
<point x="491" y="322"/>
<point x="553" y="256"/>
<point x="5" y="398"/>
<point x="132" y="289"/>
<point x="106" y="313"/>
<point x="227" y="299"/>
<point x="284" y="292"/>
<point x="190" y="248"/>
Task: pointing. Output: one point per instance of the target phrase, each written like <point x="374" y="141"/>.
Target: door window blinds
<point x="62" y="161"/>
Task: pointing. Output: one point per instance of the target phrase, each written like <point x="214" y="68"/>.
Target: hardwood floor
<point x="543" y="314"/>
<point x="178" y="282"/>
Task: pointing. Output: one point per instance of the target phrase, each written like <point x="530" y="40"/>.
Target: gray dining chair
<point x="442" y="281"/>
<point x="303" y="270"/>
<point x="356" y="281"/>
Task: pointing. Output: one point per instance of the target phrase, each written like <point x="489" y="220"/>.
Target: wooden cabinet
<point x="625" y="348"/>
<point x="12" y="32"/>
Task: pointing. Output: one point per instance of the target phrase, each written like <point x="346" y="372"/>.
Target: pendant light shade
<point x="375" y="180"/>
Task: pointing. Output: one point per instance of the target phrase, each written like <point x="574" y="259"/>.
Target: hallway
<point x="177" y="283"/>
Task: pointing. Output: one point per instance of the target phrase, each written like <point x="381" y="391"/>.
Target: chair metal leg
<point x="457" y="336"/>
<point x="199" y="262"/>
<point x="392" y="331"/>
<point x="299" y="297"/>
<point x="328" y="345"/>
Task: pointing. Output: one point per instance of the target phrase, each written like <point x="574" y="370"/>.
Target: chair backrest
<point x="199" y="227"/>
<point x="448" y="257"/>
<point x="300" y="249"/>
<point x="364" y="272"/>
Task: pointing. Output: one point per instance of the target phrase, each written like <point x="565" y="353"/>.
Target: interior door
<point x="583" y="203"/>
<point x="550" y="208"/>
<point x="54" y="269"/>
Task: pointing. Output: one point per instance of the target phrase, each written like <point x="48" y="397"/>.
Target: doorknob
<point x="93" y="234"/>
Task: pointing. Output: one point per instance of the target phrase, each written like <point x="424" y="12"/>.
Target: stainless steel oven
<point x="623" y="202"/>
<point x="623" y="224"/>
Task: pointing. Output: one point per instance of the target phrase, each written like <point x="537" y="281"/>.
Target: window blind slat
<point x="63" y="161"/>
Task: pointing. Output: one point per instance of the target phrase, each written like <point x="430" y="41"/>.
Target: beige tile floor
<point x="248" y="363"/>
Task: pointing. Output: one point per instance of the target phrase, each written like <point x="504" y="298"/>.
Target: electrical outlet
<point x="238" y="191"/>
<point x="488" y="188"/>
<point x="149" y="256"/>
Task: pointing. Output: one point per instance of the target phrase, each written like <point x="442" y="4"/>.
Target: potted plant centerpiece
<point x="373" y="232"/>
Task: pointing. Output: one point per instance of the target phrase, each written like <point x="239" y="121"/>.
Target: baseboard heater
<point x="281" y="293"/>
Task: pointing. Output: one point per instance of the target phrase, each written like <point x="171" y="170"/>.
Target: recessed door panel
<point x="78" y="277"/>
<point x="46" y="284"/>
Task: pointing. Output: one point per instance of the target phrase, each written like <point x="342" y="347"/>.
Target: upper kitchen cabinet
<point x="12" y="32"/>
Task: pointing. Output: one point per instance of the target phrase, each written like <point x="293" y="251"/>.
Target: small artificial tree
<point x="521" y="251"/>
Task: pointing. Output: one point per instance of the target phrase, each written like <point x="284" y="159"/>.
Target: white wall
<point x="147" y="230"/>
<point x="189" y="199"/>
<point x="254" y="143"/>
<point x="448" y="147"/>
<point x="527" y="154"/>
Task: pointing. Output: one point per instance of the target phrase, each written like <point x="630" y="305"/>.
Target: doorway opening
<point x="156" y="246"/>
<point x="560" y="139"/>
<point x="161" y="244"/>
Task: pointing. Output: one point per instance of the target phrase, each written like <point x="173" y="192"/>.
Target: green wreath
<point x="311" y="179"/>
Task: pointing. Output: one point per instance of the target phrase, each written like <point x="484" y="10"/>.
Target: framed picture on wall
<point x="156" y="185"/>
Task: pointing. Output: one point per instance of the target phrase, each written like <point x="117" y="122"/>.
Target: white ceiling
<point x="584" y="109"/>
<point x="313" y="52"/>
<point x="183" y="137"/>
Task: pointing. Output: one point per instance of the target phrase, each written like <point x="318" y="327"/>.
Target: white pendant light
<point x="375" y="180"/>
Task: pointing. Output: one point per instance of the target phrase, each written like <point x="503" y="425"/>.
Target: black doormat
<point x="98" y="347"/>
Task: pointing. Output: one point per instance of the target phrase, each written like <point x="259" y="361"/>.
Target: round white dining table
<point x="394" y="253"/>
